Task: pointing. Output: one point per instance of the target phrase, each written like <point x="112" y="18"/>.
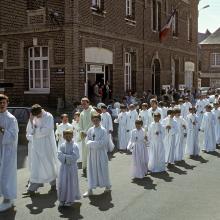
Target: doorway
<point x="156" y="87"/>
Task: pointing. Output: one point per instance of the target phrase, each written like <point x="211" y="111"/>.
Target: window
<point x="215" y="60"/>
<point x="1" y="65"/>
<point x="156" y="15"/>
<point x="98" y="5"/>
<point x="189" y="28"/>
<point x="39" y="78"/>
<point x="130" y="9"/>
<point x="175" y="25"/>
<point x="127" y="74"/>
<point x="35" y="4"/>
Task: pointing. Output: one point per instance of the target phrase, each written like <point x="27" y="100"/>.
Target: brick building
<point x="210" y="60"/>
<point x="51" y="49"/>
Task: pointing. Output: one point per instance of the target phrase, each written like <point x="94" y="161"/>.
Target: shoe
<point x="29" y="193"/>
<point x="5" y="206"/>
<point x="107" y="190"/>
<point x="87" y="194"/>
<point x="53" y="189"/>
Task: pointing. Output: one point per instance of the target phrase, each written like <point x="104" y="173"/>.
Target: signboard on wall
<point x="166" y="87"/>
<point x="96" y="68"/>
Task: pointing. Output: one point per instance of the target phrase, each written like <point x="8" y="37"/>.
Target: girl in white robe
<point x="97" y="161"/>
<point x="170" y="126"/>
<point x="180" y="136"/>
<point x="156" y="152"/>
<point x="186" y="106"/>
<point x="200" y="109"/>
<point x="216" y="112"/>
<point x="208" y="127"/>
<point x="138" y="146"/>
<point x="122" y="121"/>
<point x="76" y="134"/>
<point x="192" y="147"/>
<point x="68" y="183"/>
<point x="106" y="122"/>
<point x="65" y="125"/>
<point x="143" y="115"/>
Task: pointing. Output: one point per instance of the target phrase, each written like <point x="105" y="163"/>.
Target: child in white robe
<point x="200" y="108"/>
<point x="68" y="183"/>
<point x="171" y="128"/>
<point x="122" y="121"/>
<point x="208" y="127"/>
<point x="76" y="134"/>
<point x="192" y="121"/>
<point x="186" y="106"/>
<point x="106" y="122"/>
<point x="216" y="112"/>
<point x="156" y="151"/>
<point x="62" y="127"/>
<point x="180" y="136"/>
<point x="143" y="115"/>
<point x="138" y="146"/>
<point x="97" y="161"/>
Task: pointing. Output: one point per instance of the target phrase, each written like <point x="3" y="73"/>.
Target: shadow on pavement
<point x="71" y="213"/>
<point x="177" y="170"/>
<point x="146" y="182"/>
<point x="21" y="155"/>
<point x="8" y="215"/>
<point x="41" y="202"/>
<point x="102" y="201"/>
<point x="163" y="175"/>
<point x="200" y="159"/>
<point x="185" y="165"/>
<point x="214" y="153"/>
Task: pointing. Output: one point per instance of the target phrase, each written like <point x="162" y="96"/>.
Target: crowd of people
<point x="158" y="132"/>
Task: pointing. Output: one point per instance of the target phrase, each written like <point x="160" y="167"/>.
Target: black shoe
<point x="53" y="189"/>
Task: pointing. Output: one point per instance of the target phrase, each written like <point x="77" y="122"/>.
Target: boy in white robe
<point x="192" y="146"/>
<point x="154" y="109"/>
<point x="143" y="115"/>
<point x="164" y="109"/>
<point x="43" y="152"/>
<point x="138" y="146"/>
<point x="68" y="183"/>
<point x="76" y="134"/>
<point x="97" y="161"/>
<point x="106" y="122"/>
<point x="180" y="106"/>
<point x="200" y="108"/>
<point x="180" y="136"/>
<point x="216" y="112"/>
<point x="8" y="155"/>
<point x="156" y="152"/>
<point x="170" y="126"/>
<point x="122" y="121"/>
<point x="65" y="125"/>
<point x="186" y="106"/>
<point x="208" y="127"/>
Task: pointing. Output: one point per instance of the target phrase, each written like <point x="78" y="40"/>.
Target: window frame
<point x="214" y="55"/>
<point x="33" y="59"/>
<point x="127" y="75"/>
<point x="128" y="8"/>
<point x="156" y="19"/>
<point x="175" y="24"/>
<point x="2" y="61"/>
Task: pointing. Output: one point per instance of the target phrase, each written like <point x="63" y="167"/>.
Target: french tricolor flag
<point x="166" y="29"/>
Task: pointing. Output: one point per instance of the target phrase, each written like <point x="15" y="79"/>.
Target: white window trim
<point x="128" y="7"/>
<point x="33" y="59"/>
<point x="127" y="64"/>
<point x="96" y="3"/>
<point x="152" y="16"/>
<point x="215" y="60"/>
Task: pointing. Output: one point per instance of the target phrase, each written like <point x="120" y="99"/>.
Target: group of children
<point x="156" y="136"/>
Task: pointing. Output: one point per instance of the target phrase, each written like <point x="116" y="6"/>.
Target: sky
<point x="209" y="18"/>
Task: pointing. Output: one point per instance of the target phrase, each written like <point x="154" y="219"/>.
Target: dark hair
<point x="4" y="97"/>
<point x="170" y="111"/>
<point x="98" y="116"/>
<point x="157" y="114"/>
<point x="139" y="122"/>
<point x="36" y="109"/>
<point x="177" y="111"/>
<point x="123" y="107"/>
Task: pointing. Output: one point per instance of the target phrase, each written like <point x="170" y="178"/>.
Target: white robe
<point x="217" y="125"/>
<point x="106" y="122"/>
<point x="151" y="114"/>
<point x="97" y="161"/>
<point x="192" y="146"/>
<point x="208" y="126"/>
<point x="44" y="151"/>
<point x="59" y="132"/>
<point x="8" y="156"/>
<point x="138" y="146"/>
<point x="132" y="117"/>
<point x="200" y="109"/>
<point x="185" y="109"/>
<point x="143" y="115"/>
<point x="156" y="151"/>
<point x="77" y="139"/>
<point x="170" y="139"/>
<point x="29" y="137"/>
<point x="180" y="139"/>
<point x="122" y="130"/>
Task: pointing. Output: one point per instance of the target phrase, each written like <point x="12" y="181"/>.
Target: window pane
<point x="212" y="59"/>
<point x="31" y="79"/>
<point x="45" y="64"/>
<point x="37" y="52"/>
<point x="45" y="79"/>
<point x="1" y="66"/>
<point x="37" y="79"/>
<point x="218" y="59"/>
<point x="37" y="64"/>
<point x="31" y="52"/>
<point x="31" y="64"/>
<point x="45" y="51"/>
<point x="1" y="54"/>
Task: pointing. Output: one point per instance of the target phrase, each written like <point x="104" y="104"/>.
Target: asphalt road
<point x="190" y="191"/>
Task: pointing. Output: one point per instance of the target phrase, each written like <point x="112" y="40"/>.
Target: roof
<point x="203" y="36"/>
<point x="213" y="38"/>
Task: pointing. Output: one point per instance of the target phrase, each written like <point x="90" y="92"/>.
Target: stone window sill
<point x="98" y="12"/>
<point x="130" y="21"/>
<point x="46" y="92"/>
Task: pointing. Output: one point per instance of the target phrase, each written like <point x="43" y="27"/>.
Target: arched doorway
<point x="156" y="77"/>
